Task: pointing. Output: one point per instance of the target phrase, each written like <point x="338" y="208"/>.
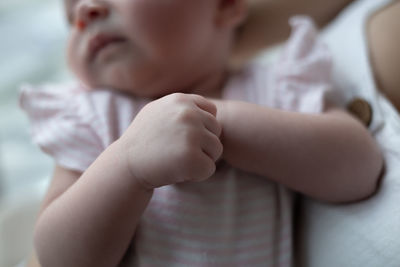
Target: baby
<point x="180" y="161"/>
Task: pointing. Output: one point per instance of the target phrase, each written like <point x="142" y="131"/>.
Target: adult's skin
<point x="267" y="23"/>
<point x="384" y="42"/>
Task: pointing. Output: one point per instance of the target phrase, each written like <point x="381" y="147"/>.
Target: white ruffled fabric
<point x="62" y="124"/>
<point x="73" y="124"/>
<point x="303" y="72"/>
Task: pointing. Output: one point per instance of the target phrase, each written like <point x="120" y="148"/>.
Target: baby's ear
<point x="231" y="13"/>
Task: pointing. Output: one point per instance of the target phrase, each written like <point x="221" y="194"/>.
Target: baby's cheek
<point x="74" y="57"/>
<point x="153" y="25"/>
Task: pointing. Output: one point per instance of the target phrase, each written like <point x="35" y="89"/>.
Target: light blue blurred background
<point x="32" y="44"/>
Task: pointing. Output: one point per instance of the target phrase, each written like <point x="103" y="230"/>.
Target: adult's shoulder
<point x="384" y="43"/>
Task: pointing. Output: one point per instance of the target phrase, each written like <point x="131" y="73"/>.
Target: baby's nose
<point x="90" y="11"/>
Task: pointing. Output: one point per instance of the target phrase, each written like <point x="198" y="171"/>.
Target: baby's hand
<point x="173" y="139"/>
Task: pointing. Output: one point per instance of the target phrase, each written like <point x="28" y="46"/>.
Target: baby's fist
<point x="173" y="139"/>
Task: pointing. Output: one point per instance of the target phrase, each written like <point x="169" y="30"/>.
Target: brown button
<point x="361" y="109"/>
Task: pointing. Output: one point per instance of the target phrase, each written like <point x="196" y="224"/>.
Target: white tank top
<point x="347" y="39"/>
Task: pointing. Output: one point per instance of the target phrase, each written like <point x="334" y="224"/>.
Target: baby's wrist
<point x="121" y="150"/>
<point x="223" y="107"/>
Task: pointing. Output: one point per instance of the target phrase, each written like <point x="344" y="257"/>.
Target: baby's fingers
<point x="205" y="104"/>
<point x="212" y="146"/>
<point x="211" y="123"/>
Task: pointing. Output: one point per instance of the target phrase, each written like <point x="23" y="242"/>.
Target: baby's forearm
<point x="329" y="156"/>
<point x="93" y="222"/>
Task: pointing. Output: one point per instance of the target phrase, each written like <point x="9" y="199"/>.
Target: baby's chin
<point x="130" y="88"/>
<point x="140" y="86"/>
<point x="119" y="81"/>
<point x="147" y="81"/>
<point x="111" y="82"/>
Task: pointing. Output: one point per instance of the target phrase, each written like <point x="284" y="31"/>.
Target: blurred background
<point x="32" y="37"/>
<point x="32" y="45"/>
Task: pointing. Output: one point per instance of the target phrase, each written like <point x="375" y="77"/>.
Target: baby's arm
<point x="329" y="156"/>
<point x="89" y="219"/>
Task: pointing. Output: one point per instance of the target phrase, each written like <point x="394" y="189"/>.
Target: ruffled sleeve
<point x="63" y="125"/>
<point x="303" y="72"/>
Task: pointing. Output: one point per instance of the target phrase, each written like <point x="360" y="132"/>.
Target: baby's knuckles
<point x="188" y="159"/>
<point x="191" y="164"/>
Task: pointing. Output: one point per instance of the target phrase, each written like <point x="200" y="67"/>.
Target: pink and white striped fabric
<point x="232" y="219"/>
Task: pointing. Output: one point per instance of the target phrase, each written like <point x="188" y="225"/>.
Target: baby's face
<point x="146" y="47"/>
